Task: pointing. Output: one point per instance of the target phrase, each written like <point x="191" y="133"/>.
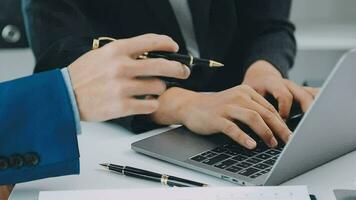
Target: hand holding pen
<point x="187" y="60"/>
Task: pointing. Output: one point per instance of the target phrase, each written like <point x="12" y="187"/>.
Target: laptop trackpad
<point x="179" y="143"/>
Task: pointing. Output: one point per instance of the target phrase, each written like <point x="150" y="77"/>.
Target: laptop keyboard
<point x="236" y="159"/>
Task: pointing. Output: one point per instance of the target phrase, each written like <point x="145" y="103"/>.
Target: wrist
<point x="173" y="106"/>
<point x="263" y="68"/>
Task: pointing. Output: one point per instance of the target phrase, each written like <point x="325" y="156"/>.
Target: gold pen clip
<point x="143" y="56"/>
<point x="164" y="179"/>
<point x="96" y="42"/>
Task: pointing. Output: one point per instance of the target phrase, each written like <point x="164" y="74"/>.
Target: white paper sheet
<point x="201" y="193"/>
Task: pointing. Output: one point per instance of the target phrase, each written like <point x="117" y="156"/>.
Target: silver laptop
<point x="327" y="131"/>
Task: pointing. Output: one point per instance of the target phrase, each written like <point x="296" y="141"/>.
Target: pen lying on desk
<point x="171" y="181"/>
<point x="187" y="60"/>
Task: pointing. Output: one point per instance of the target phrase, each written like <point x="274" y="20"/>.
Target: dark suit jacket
<point x="12" y="21"/>
<point x="234" y="32"/>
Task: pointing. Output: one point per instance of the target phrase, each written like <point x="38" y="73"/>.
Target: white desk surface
<point x="103" y="142"/>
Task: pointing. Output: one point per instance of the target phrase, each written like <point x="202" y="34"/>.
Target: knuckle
<point x="282" y="129"/>
<point x="166" y="38"/>
<point x="289" y="96"/>
<point x="119" y="71"/>
<point x="158" y="86"/>
<point x="161" y="65"/>
<point x="271" y="109"/>
<point x="230" y="128"/>
<point x="229" y="108"/>
<point x="120" y="89"/>
<point x="247" y="88"/>
<point x="253" y="117"/>
<point x="269" y="116"/>
<point x="114" y="47"/>
<point x="122" y="69"/>
<point x="267" y="134"/>
<point x="239" y="136"/>
<point x="284" y="97"/>
<point x="184" y="72"/>
<point x="162" y="61"/>
<point x="152" y="106"/>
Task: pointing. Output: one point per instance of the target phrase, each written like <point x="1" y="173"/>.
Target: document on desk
<point x="192" y="193"/>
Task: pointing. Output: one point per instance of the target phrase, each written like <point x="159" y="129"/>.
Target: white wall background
<point x="325" y="30"/>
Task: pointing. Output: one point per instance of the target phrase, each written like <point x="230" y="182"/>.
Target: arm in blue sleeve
<point x="73" y="101"/>
<point x="38" y="137"/>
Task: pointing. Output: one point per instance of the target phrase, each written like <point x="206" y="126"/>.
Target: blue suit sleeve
<point x="38" y="130"/>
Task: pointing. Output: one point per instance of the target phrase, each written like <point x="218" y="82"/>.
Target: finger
<point x="278" y="127"/>
<point x="313" y="91"/>
<point x="261" y="100"/>
<point x="4" y="192"/>
<point x="300" y="95"/>
<point x="149" y="42"/>
<point x="255" y="122"/>
<point x="142" y="107"/>
<point x="159" y="67"/>
<point x="285" y="99"/>
<point x="234" y="132"/>
<point x="151" y="86"/>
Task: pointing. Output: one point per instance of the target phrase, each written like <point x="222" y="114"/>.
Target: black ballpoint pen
<point x="187" y="60"/>
<point x="153" y="176"/>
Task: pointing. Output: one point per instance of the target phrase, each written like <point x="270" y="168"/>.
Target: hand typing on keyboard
<point x="218" y="112"/>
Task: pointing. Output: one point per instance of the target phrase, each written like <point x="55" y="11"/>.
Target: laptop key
<point x="234" y="169"/>
<point x="259" y="150"/>
<point x="274" y="158"/>
<point x="264" y="171"/>
<point x="248" y="172"/>
<point x="239" y="158"/>
<point x="233" y="146"/>
<point x="268" y="169"/>
<point x="248" y="153"/>
<point x="210" y="155"/>
<point x="261" y="166"/>
<point x="280" y="147"/>
<point x="198" y="158"/>
<point x="219" y="150"/>
<point x="269" y="162"/>
<point x="263" y="156"/>
<point x="216" y="159"/>
<point x="254" y="160"/>
<point x="273" y="152"/>
<point x="231" y="152"/>
<point x="257" y="174"/>
<point x="205" y="153"/>
<point x="244" y="164"/>
<point x="225" y="164"/>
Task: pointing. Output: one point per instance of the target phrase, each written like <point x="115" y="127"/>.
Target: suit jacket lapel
<point x="163" y="12"/>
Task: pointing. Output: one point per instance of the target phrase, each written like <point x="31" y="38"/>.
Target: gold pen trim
<point x="96" y="42"/>
<point x="143" y="56"/>
<point x="191" y="60"/>
<point x="213" y="64"/>
<point x="164" y="179"/>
